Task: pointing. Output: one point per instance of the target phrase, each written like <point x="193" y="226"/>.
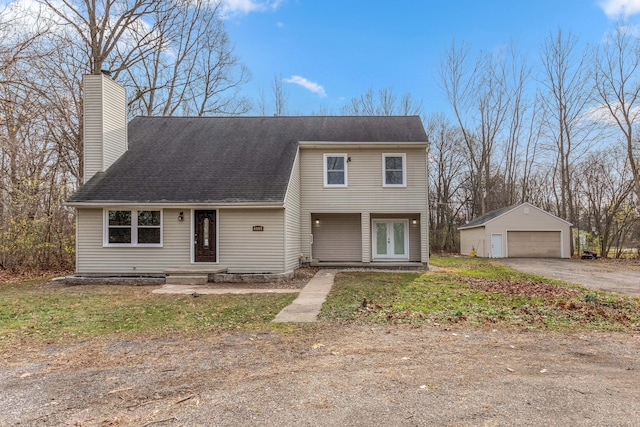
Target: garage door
<point x="336" y="237"/>
<point x="534" y="244"/>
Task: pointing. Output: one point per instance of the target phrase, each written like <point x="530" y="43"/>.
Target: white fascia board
<point x="274" y="205"/>
<point x="372" y="144"/>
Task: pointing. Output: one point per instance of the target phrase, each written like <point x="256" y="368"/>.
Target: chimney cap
<point x="106" y="73"/>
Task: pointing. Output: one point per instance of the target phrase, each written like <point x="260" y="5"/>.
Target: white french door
<point x="390" y="239"/>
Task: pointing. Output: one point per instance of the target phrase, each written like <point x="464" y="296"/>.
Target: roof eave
<point x="371" y="144"/>
<point x="182" y="205"/>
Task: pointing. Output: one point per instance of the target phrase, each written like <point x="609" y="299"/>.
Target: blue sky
<point x="330" y="51"/>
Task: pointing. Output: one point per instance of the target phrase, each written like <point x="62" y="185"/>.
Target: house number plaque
<point x="258" y="228"/>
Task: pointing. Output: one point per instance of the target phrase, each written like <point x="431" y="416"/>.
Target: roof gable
<point x="495" y="214"/>
<point x="226" y="159"/>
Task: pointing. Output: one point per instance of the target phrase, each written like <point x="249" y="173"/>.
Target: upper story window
<point x="335" y="170"/>
<point x="394" y="170"/>
<point x="133" y="228"/>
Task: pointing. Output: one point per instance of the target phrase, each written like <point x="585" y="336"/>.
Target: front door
<point x="390" y="239"/>
<point x="204" y="238"/>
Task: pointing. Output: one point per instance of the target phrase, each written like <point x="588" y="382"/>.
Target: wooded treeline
<point x="557" y="129"/>
<point x="173" y="56"/>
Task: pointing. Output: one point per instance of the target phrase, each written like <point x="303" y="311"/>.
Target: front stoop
<point x="189" y="277"/>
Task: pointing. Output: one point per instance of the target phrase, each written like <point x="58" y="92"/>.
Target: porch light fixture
<point x="317" y="221"/>
<point x="181" y="216"/>
<point x="414" y="221"/>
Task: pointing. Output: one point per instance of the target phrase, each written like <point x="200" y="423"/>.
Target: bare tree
<point x="384" y="102"/>
<point x="447" y="173"/>
<point x="280" y="96"/>
<point x="607" y="185"/>
<point x="518" y="150"/>
<point x="102" y="24"/>
<point x="481" y="97"/>
<point x="618" y="89"/>
<point x="191" y="68"/>
<point x="564" y="102"/>
<point x="32" y="184"/>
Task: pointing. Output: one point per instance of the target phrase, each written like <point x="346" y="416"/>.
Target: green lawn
<point x="459" y="290"/>
<point x="38" y="311"/>
<point x="476" y="292"/>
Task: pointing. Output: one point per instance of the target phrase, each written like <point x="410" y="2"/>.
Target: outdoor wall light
<point x="181" y="216"/>
<point x="414" y="221"/>
<point x="317" y="221"/>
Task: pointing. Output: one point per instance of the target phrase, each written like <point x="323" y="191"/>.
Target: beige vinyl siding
<point x="292" y="218"/>
<point x="413" y="230"/>
<point x="94" y="258"/>
<point x="533" y="244"/>
<point x="104" y="125"/>
<point x="473" y="239"/>
<point x="115" y="122"/>
<point x="240" y="248"/>
<point x="365" y="190"/>
<point x="529" y="218"/>
<point x="365" y="193"/>
<point x="365" y="233"/>
<point x="337" y="237"/>
<point x="92" y="126"/>
<point x="243" y="250"/>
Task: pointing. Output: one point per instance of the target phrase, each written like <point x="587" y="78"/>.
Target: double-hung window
<point x="133" y="227"/>
<point x="335" y="170"/>
<point x="394" y="170"/>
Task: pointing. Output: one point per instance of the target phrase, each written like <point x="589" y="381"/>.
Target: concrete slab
<point x="205" y="290"/>
<point x="307" y="306"/>
<point x="193" y="279"/>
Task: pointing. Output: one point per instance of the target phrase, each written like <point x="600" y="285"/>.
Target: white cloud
<point x="243" y="7"/>
<point x="602" y="114"/>
<point x="307" y="84"/>
<point x="617" y="8"/>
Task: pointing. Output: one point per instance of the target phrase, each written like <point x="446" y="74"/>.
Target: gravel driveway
<point x="622" y="278"/>
<point x="328" y="375"/>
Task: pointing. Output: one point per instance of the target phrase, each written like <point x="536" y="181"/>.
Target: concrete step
<point x="186" y="279"/>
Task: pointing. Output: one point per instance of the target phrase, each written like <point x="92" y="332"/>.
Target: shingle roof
<point x="226" y="159"/>
<point x="482" y="220"/>
<point x="490" y="216"/>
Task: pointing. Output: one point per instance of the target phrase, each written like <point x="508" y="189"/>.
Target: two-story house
<point x="246" y="194"/>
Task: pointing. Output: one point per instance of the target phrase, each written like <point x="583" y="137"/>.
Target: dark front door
<point x="205" y="236"/>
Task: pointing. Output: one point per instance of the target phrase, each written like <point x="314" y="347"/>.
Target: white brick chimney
<point x="104" y="123"/>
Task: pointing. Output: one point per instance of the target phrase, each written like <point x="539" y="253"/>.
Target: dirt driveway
<point x="620" y="277"/>
<point x="329" y="374"/>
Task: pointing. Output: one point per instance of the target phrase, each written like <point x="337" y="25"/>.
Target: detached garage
<point x="521" y="231"/>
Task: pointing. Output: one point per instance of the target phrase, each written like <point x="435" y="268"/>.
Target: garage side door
<point x="534" y="244"/>
<point x="337" y="237"/>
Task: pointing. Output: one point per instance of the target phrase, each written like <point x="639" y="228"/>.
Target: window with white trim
<point x="394" y="170"/>
<point x="335" y="170"/>
<point x="133" y="227"/>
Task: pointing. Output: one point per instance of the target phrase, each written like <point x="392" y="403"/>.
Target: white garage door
<point x="534" y="244"/>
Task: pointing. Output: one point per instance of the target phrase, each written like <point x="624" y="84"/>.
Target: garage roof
<point x="493" y="215"/>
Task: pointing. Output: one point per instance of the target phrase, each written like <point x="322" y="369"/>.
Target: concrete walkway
<point x="306" y="307"/>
